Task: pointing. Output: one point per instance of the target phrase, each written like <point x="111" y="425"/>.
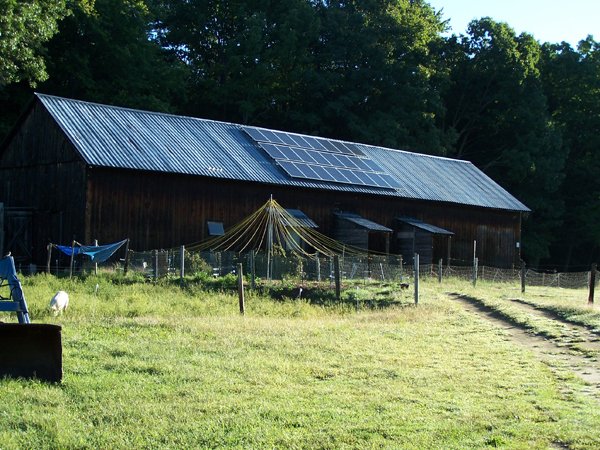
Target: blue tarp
<point x="97" y="253"/>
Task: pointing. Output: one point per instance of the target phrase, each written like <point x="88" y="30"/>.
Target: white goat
<point x="59" y="302"/>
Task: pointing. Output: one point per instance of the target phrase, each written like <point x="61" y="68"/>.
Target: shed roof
<point x="115" y="137"/>
<point x="362" y="222"/>
<point x="425" y="226"/>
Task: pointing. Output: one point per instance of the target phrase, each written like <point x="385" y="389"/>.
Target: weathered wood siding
<point x="39" y="169"/>
<point x="164" y="210"/>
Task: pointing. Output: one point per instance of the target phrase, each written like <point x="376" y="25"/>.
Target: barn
<point x="71" y="169"/>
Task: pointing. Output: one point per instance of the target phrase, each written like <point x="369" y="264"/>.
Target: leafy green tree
<point x="358" y="70"/>
<point x="107" y="56"/>
<point x="24" y="27"/>
<point x="497" y="108"/>
<point x="572" y="83"/>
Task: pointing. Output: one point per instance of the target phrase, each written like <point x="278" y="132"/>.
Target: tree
<point x="25" y="25"/>
<point x="498" y="110"/>
<point x="107" y="56"/>
<point x="358" y="70"/>
<point x="572" y="83"/>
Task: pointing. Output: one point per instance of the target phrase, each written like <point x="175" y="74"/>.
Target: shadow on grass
<point x="496" y="314"/>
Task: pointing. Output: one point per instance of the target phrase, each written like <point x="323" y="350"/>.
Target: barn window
<point x="215" y="228"/>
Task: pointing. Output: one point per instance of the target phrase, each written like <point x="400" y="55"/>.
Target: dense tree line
<point x="373" y="71"/>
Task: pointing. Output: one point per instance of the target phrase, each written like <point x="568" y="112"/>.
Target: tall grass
<point x="155" y="366"/>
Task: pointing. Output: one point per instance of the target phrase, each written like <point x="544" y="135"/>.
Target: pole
<point x="241" y="288"/>
<point x="181" y="265"/>
<point x="126" y="264"/>
<point x="49" y="260"/>
<point x="318" y="268"/>
<point x="336" y="270"/>
<point x="440" y="262"/>
<point x="270" y="239"/>
<point x="96" y="264"/>
<point x="592" y="284"/>
<point x="475" y="264"/>
<point x="252" y="270"/>
<point x="72" y="259"/>
<point x="416" y="268"/>
<point x="382" y="273"/>
<point x="523" y="272"/>
<point x="155" y="265"/>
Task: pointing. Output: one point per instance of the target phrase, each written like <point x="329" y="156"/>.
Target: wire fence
<point x="158" y="264"/>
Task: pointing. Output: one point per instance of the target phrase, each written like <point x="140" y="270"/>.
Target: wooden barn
<point x="77" y="170"/>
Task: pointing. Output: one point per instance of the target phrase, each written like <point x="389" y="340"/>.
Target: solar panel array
<point x="321" y="159"/>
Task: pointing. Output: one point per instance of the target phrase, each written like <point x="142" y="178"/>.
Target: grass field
<point x="153" y="366"/>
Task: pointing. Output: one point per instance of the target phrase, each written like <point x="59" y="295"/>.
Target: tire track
<point x="557" y="355"/>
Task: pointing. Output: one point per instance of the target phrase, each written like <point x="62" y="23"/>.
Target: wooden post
<point x="252" y="270"/>
<point x="336" y="270"/>
<point x="382" y="273"/>
<point x="475" y="264"/>
<point x="416" y="268"/>
<point x="181" y="265"/>
<point x="49" y="260"/>
<point x="2" y="230"/>
<point x="440" y="267"/>
<point x="155" y="264"/>
<point x="318" y="268"/>
<point x="72" y="259"/>
<point x="96" y="264"/>
<point x="401" y="268"/>
<point x="523" y="273"/>
<point x="241" y="288"/>
<point x="126" y="264"/>
<point x="592" y="284"/>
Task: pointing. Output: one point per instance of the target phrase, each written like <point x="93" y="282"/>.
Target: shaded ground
<point x="578" y="353"/>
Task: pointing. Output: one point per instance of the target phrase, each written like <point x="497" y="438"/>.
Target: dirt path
<point x="556" y="354"/>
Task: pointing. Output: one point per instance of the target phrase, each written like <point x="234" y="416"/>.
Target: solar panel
<point x="312" y="158"/>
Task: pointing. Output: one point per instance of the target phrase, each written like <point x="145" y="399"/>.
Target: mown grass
<point x="154" y="366"/>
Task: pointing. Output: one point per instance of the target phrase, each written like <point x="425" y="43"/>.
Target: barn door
<point x="17" y="233"/>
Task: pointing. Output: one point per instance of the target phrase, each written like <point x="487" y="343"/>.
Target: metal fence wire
<point x="157" y="264"/>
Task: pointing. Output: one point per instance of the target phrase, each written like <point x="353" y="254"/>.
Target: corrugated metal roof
<point x="109" y="136"/>
<point x="425" y="226"/>
<point x="301" y="217"/>
<point x="362" y="222"/>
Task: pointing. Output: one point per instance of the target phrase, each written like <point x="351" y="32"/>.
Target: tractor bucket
<point x="26" y="350"/>
<point x="31" y="351"/>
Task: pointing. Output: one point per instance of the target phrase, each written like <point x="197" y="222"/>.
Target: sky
<point x="547" y="20"/>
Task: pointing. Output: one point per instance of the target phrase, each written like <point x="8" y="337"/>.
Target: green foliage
<point x="498" y="109"/>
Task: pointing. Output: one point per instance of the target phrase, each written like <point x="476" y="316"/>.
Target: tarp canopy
<point x="97" y="253"/>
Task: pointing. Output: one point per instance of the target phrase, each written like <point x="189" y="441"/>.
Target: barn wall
<point x="41" y="172"/>
<point x="162" y="211"/>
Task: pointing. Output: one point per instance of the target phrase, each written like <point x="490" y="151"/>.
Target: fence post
<point x="592" y="284"/>
<point x="252" y="270"/>
<point x="126" y="263"/>
<point x="382" y="273"/>
<point x="241" y="288"/>
<point x="440" y="262"/>
<point x="416" y="268"/>
<point x="336" y="271"/>
<point x="318" y="268"/>
<point x="49" y="260"/>
<point x="181" y="265"/>
<point x="96" y="264"/>
<point x="475" y="264"/>
<point x="72" y="259"/>
<point x="523" y="273"/>
<point x="155" y="265"/>
<point x="401" y="274"/>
